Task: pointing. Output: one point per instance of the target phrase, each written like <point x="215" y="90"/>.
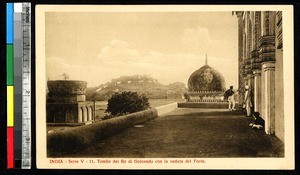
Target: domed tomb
<point x="206" y="85"/>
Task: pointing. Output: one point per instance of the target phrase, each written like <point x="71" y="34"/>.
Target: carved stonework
<point x="268" y="66"/>
<point x="267" y="48"/>
<point x="249" y="36"/>
<point x="257" y="31"/>
<point x="255" y="60"/>
<point x="279" y="26"/>
<point x="260" y="36"/>
<point x="67" y="87"/>
<point x="247" y="64"/>
<point x="267" y="22"/>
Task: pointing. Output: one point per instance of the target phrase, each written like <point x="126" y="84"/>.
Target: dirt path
<point x="190" y="133"/>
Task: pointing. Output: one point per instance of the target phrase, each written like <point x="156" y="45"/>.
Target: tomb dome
<point x="206" y="79"/>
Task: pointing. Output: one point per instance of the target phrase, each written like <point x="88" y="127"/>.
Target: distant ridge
<point x="143" y="84"/>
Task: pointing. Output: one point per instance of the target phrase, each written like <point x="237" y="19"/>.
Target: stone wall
<point x="74" y="139"/>
<point x="166" y="108"/>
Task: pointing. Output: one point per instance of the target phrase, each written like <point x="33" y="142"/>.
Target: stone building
<point x="260" y="57"/>
<point x="66" y="102"/>
<point x="206" y="85"/>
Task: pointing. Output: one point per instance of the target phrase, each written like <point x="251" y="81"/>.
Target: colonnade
<point x="260" y="55"/>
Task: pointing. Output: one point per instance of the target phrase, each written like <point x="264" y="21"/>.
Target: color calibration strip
<point x="18" y="22"/>
<point x="18" y="52"/>
<point x="26" y="86"/>
<point x="10" y="83"/>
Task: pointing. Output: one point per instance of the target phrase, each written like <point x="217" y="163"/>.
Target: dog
<point x="252" y="125"/>
<point x="259" y="123"/>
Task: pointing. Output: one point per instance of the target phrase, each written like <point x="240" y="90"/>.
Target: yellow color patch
<point x="10" y="106"/>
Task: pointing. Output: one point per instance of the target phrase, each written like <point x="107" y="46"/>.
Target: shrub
<point x="126" y="103"/>
<point x="186" y="96"/>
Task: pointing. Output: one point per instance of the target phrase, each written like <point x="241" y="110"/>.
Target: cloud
<point x="119" y="59"/>
<point x="199" y="40"/>
<point x="118" y="51"/>
<point x="170" y="60"/>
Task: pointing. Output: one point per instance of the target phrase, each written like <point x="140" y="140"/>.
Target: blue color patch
<point x="9" y="23"/>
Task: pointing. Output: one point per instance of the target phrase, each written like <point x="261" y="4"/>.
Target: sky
<point x="99" y="46"/>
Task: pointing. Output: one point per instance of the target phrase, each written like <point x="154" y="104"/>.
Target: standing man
<point x="247" y="101"/>
<point x="230" y="95"/>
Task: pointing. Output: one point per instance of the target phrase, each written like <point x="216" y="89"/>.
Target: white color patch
<point x="17" y="7"/>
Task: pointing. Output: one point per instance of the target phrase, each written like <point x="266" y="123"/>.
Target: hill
<point x="143" y="84"/>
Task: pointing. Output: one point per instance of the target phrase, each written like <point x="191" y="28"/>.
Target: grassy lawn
<point x="189" y="133"/>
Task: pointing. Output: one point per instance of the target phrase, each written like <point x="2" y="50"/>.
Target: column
<point x="90" y="118"/>
<point x="94" y="110"/>
<point x="80" y="113"/>
<point x="263" y="24"/>
<point x="85" y="114"/>
<point x="268" y="23"/>
<point x="253" y="30"/>
<point x="267" y="56"/>
<point x="247" y="58"/>
<point x="250" y="78"/>
<point x="256" y="63"/>
<point x="240" y="56"/>
<point x="257" y="90"/>
<point x="269" y="91"/>
<point x="262" y="97"/>
<point x="249" y="35"/>
<point x="279" y="90"/>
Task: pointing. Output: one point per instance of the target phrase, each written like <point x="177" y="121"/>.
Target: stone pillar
<point x="251" y="88"/>
<point x="240" y="56"/>
<point x="272" y="16"/>
<point x="253" y="31"/>
<point x="90" y="114"/>
<point x="94" y="110"/>
<point x="263" y="23"/>
<point x="256" y="63"/>
<point x="279" y="88"/>
<point x="249" y="35"/>
<point x="262" y="93"/>
<point x="257" y="90"/>
<point x="268" y="23"/>
<point x="80" y="114"/>
<point x="267" y="56"/>
<point x="269" y="91"/>
<point x="85" y="114"/>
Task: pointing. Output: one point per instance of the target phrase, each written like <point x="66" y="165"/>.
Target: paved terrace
<point x="190" y="133"/>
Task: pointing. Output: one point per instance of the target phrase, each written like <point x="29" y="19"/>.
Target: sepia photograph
<point x="164" y="87"/>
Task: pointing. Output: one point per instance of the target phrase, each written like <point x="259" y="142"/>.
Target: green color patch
<point x="10" y="64"/>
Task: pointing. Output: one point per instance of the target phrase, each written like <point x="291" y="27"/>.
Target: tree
<point x="122" y="103"/>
